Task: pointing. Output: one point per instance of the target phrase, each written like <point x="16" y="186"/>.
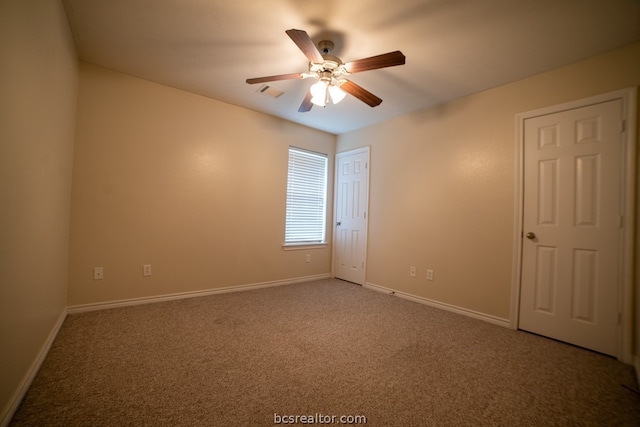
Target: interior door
<point x="352" y="201"/>
<point x="571" y="226"/>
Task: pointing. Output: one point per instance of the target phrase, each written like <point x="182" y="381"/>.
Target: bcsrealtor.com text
<point x="319" y="419"/>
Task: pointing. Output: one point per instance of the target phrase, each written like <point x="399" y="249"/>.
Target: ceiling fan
<point x="330" y="72"/>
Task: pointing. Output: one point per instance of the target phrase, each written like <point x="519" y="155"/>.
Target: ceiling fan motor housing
<point x="331" y="65"/>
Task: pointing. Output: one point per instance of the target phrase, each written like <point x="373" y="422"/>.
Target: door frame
<point x="625" y="299"/>
<point x="367" y="150"/>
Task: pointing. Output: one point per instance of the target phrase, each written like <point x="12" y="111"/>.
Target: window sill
<point x="303" y="246"/>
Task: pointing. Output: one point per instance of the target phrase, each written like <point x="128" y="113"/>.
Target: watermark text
<point x="319" y="419"/>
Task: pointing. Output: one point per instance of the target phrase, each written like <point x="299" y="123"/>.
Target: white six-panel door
<point x="570" y="280"/>
<point x="351" y="204"/>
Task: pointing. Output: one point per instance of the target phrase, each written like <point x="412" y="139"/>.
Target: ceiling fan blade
<point x="306" y="45"/>
<point x="362" y="94"/>
<point x="274" y="78"/>
<point x="390" y="59"/>
<point x="306" y="103"/>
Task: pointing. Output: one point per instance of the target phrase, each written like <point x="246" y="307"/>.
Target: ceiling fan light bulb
<point x="319" y="89"/>
<point x="336" y="94"/>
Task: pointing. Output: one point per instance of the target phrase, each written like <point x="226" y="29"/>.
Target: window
<point x="306" y="198"/>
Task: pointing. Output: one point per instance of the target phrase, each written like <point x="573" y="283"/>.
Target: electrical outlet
<point x="146" y="270"/>
<point x="412" y="271"/>
<point x="98" y="273"/>
<point x="429" y="274"/>
<point x="308" y="257"/>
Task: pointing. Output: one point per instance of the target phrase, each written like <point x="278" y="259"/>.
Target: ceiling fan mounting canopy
<point x="330" y="70"/>
<point x="325" y="47"/>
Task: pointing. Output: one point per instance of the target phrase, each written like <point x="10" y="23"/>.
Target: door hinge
<point x="623" y="126"/>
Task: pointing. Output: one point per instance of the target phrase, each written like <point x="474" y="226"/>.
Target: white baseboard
<point x="17" y="397"/>
<point x="193" y="294"/>
<point x="441" y="305"/>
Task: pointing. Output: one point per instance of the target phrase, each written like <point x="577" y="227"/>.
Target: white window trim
<point x="303" y="246"/>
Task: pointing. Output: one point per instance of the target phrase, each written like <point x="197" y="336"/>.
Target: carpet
<point x="323" y="352"/>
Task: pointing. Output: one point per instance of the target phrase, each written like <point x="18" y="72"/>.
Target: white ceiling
<point x="453" y="47"/>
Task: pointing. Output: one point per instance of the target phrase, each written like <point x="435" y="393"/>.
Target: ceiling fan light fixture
<point x="326" y="89"/>
<point x="319" y="93"/>
<point x="320" y="102"/>
<point x="336" y="93"/>
<point x="319" y="89"/>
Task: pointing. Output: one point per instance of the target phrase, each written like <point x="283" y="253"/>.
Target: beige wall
<point x="442" y="184"/>
<point x="38" y="83"/>
<point x="193" y="186"/>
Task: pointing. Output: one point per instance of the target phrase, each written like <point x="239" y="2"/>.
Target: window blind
<point x="306" y="197"/>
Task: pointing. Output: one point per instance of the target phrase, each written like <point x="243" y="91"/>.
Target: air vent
<point x="271" y="91"/>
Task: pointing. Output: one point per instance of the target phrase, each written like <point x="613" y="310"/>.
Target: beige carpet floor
<point x="327" y="347"/>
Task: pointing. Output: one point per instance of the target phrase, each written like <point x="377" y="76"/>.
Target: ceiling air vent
<point x="271" y="91"/>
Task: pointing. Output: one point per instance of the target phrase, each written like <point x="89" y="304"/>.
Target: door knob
<point x="338" y="223"/>
<point x="530" y="235"/>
